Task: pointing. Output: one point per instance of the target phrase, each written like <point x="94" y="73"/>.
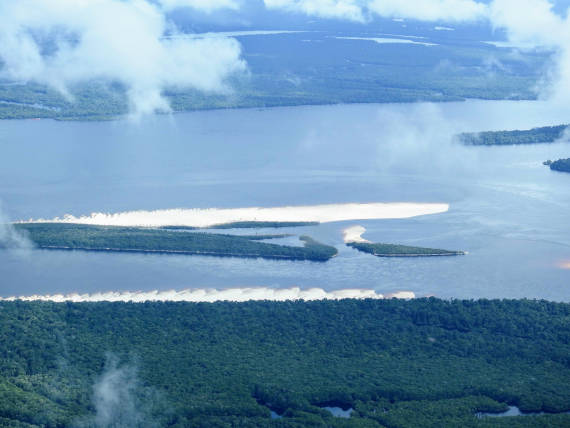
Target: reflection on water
<point x="275" y="415"/>
<point x="338" y="412"/>
<point x="506" y="209"/>
<point x="512" y="411"/>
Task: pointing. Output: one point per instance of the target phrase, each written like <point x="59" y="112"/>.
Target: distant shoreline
<point x="126" y="116"/>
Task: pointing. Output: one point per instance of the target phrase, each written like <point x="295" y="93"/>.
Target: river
<point x="506" y="209"/>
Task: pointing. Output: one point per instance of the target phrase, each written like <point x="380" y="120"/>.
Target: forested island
<point x="417" y="363"/>
<point x="395" y="250"/>
<point x="545" y="134"/>
<point x="64" y="236"/>
<point x="562" y="165"/>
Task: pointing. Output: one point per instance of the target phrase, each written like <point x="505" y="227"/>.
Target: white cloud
<point x="429" y="10"/>
<point x="530" y="21"/>
<point x="109" y="39"/>
<point x="338" y="9"/>
<point x="535" y="23"/>
<point x="359" y="10"/>
<point x="207" y="6"/>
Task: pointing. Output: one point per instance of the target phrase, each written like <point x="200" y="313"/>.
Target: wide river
<point x="511" y="213"/>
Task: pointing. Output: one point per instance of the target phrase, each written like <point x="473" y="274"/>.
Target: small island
<point x="69" y="236"/>
<point x="545" y="134"/>
<point x="394" y="250"/>
<point x="562" y="165"/>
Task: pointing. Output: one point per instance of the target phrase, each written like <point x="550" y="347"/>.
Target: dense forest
<point x="562" y="165"/>
<point x="417" y="363"/>
<point x="395" y="250"/>
<point x="545" y="134"/>
<point x="62" y="236"/>
<point x="285" y="70"/>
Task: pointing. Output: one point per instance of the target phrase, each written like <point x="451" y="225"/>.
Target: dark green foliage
<point x="394" y="250"/>
<point x="546" y="134"/>
<point x="423" y="362"/>
<point x="562" y="165"/>
<point x="137" y="239"/>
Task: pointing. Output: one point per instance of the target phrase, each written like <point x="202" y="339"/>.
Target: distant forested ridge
<point x="287" y="70"/>
<point x="418" y="363"/>
<point x="63" y="236"/>
<point x="562" y="165"/>
<point x="395" y="250"/>
<point x="546" y="134"/>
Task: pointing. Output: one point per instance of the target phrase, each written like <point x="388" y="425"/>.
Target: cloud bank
<point x="429" y="10"/>
<point x="214" y="216"/>
<point x="207" y="6"/>
<point x="63" y="42"/>
<point x="339" y="9"/>
<point x="364" y="10"/>
<point x="214" y="295"/>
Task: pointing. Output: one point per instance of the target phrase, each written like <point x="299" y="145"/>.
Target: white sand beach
<point x="197" y="217"/>
<point x="214" y="295"/>
<point x="354" y="234"/>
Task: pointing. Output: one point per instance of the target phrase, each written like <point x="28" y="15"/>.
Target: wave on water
<point x="215" y="295"/>
<point x="197" y="217"/>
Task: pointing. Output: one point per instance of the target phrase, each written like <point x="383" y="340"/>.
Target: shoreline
<point x="177" y="252"/>
<point x="211" y="295"/>
<point x="127" y="116"/>
<point x="456" y="253"/>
